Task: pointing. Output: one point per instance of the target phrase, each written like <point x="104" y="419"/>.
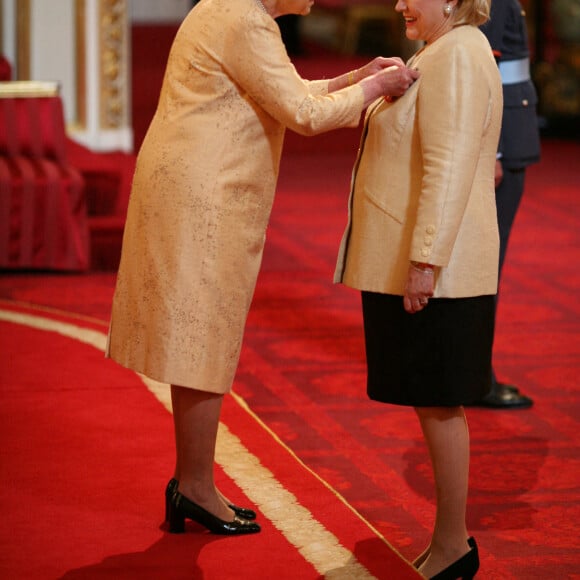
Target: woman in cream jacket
<point x="422" y="245"/>
<point x="200" y="203"/>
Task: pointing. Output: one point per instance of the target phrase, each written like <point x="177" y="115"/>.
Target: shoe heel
<point x="176" y="519"/>
<point x="167" y="508"/>
<point x="465" y="568"/>
<point x="169" y="491"/>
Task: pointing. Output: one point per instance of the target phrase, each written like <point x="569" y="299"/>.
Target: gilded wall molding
<point x="81" y="63"/>
<point x="113" y="58"/>
<point x="23" y="40"/>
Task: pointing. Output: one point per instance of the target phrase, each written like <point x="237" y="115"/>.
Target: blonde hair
<point x="474" y="12"/>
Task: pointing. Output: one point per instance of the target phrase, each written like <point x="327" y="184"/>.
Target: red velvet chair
<point x="5" y="69"/>
<point x="43" y="214"/>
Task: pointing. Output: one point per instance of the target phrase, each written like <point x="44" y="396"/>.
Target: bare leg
<point x="447" y="437"/>
<point x="196" y="418"/>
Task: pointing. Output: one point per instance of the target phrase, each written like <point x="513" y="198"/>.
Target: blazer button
<point x="525" y="102"/>
<point x="430" y="230"/>
<point x="425" y="252"/>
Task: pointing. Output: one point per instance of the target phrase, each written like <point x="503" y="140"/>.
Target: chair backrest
<point x="5" y="69"/>
<point x="32" y="120"/>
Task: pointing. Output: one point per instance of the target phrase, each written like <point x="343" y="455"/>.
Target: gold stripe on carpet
<point x="315" y="543"/>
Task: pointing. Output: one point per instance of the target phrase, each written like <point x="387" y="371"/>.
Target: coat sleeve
<point x="506" y="31"/>
<point x="453" y="108"/>
<point x="257" y="60"/>
<point x="494" y="28"/>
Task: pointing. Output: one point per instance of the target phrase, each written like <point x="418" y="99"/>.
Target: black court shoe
<point x="245" y="513"/>
<point x="465" y="568"/>
<point x="181" y="508"/>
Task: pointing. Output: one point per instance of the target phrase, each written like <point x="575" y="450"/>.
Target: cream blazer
<point x="423" y="183"/>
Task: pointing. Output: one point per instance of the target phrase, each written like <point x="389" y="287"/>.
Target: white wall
<point x="159" y="10"/>
<point x="9" y="31"/>
<point x="52" y="50"/>
<point x="53" y="55"/>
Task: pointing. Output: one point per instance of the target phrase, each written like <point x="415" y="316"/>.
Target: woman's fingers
<point x="415" y="303"/>
<point x="398" y="80"/>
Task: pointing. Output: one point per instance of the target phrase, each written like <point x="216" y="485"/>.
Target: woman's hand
<point x="419" y="288"/>
<point x="395" y="80"/>
<point x="392" y="81"/>
<point x="376" y="65"/>
<point x="373" y="67"/>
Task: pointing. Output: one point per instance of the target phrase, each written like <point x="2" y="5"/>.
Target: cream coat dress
<point x="203" y="190"/>
<point x="423" y="184"/>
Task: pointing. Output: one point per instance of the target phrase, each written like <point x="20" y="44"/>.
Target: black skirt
<point x="438" y="357"/>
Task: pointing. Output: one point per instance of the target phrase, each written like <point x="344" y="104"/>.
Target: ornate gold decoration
<point x="81" y="62"/>
<point x="113" y="48"/>
<point x="23" y="40"/>
<point x="15" y="89"/>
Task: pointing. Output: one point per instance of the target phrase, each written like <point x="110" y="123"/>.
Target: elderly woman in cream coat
<point x="422" y="245"/>
<point x="199" y="207"/>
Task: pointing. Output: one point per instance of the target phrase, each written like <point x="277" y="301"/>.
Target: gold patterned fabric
<point x="423" y="186"/>
<point x="203" y="191"/>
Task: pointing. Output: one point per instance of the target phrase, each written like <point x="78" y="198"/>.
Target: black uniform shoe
<point x="504" y="396"/>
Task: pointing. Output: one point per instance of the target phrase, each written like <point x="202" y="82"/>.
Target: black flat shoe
<point x="505" y="397"/>
<point x="465" y="568"/>
<point x="506" y="387"/>
<point x="181" y="508"/>
<point x="245" y="513"/>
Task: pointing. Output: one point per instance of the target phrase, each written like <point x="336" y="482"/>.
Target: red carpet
<point x="89" y="448"/>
